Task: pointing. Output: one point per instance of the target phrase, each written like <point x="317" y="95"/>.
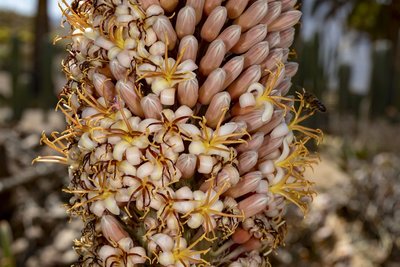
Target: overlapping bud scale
<point x="183" y="148"/>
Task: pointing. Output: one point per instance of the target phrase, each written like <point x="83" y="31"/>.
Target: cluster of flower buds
<point x="183" y="148"/>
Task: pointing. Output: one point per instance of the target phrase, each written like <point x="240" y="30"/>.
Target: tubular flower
<point x="183" y="146"/>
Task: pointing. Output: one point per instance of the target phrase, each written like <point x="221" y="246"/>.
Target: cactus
<point x="183" y="148"/>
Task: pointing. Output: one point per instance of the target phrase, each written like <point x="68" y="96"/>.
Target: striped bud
<point x="128" y="93"/>
<point x="250" y="38"/>
<point x="187" y="165"/>
<point x="104" y="86"/>
<point x="213" y="24"/>
<point x="230" y="36"/>
<point x="247" y="160"/>
<point x="188" y="46"/>
<point x="248" y="183"/>
<point x="285" y="21"/>
<point x="112" y="229"/>
<point x="219" y="103"/>
<point x="185" y="22"/>
<point x="253" y="204"/>
<point x="151" y="106"/>
<point x="256" y="54"/>
<point x="240" y="85"/>
<point x="213" y="57"/>
<point x="236" y="7"/>
<point x="213" y="85"/>
<point x="253" y="15"/>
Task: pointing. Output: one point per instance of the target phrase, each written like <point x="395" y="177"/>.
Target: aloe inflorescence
<point x="182" y="145"/>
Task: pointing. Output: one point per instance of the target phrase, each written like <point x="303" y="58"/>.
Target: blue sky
<point x="28" y="6"/>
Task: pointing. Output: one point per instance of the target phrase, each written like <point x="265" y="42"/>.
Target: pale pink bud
<point x="253" y="204"/>
<point x="104" y="86"/>
<point x="214" y="23"/>
<point x="250" y="38"/>
<point x="165" y="32"/>
<point x="206" y="164"/>
<point x="236" y="7"/>
<point x="198" y="6"/>
<point x="240" y="85"/>
<point x="284" y="87"/>
<point x="151" y="106"/>
<point x="233" y="68"/>
<point x="256" y="54"/>
<point x="253" y="144"/>
<point x="188" y="46"/>
<point x="112" y="229"/>
<point x="167" y="96"/>
<point x="187" y="165"/>
<point x="128" y="93"/>
<point x="212" y="85"/>
<point x="285" y="21"/>
<point x="253" y="15"/>
<point x="213" y="57"/>
<point x="274" y="10"/>
<point x="117" y="70"/>
<point x="230" y="36"/>
<point x="219" y="103"/>
<point x="287" y="37"/>
<point x="185" y="21"/>
<point x="274" y="57"/>
<point x="188" y="92"/>
<point x="165" y="242"/>
<point x="247" y="160"/>
<point x="288" y="4"/>
<point x="291" y="69"/>
<point x="248" y="183"/>
<point x="273" y="39"/>
<point x="269" y="146"/>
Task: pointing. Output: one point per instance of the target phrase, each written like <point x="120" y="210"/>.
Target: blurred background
<point x="349" y="55"/>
